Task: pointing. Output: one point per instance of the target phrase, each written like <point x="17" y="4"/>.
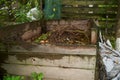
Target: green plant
<point x="16" y="10"/>
<point x="42" y="37"/>
<point x="6" y="10"/>
<point x="9" y="77"/>
<point x="21" y="17"/>
<point x="37" y="76"/>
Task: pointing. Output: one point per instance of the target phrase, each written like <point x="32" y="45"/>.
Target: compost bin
<point x="57" y="59"/>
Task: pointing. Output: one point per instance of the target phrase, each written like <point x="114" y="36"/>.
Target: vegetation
<point x="8" y="77"/>
<point x="16" y="10"/>
<point x="37" y="76"/>
<point x="20" y="16"/>
<point x="43" y="38"/>
<point x="34" y="75"/>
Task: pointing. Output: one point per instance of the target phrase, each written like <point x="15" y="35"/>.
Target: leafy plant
<point x="16" y="11"/>
<point x="37" y="76"/>
<point x="25" y="13"/>
<point x="21" y="17"/>
<point x="9" y="77"/>
<point x="42" y="37"/>
<point x="6" y="10"/>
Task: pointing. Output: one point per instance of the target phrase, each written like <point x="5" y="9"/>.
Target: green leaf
<point x="40" y="76"/>
<point x="34" y="75"/>
<point x="8" y="77"/>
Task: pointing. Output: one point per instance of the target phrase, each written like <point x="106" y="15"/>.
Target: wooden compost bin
<point x="55" y="62"/>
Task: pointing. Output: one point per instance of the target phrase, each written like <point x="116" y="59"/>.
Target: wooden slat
<point x="108" y="23"/>
<point x="88" y="11"/>
<point x="88" y="2"/>
<point x="100" y="17"/>
<point x="81" y="50"/>
<point x="72" y="2"/>
<point x="86" y="14"/>
<point x="51" y="72"/>
<point x="90" y="6"/>
<point x="54" y="60"/>
<point x="82" y="9"/>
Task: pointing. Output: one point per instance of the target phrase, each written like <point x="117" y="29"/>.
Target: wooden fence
<point x="105" y="11"/>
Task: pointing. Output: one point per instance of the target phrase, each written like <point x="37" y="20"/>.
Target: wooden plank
<point x="89" y="16"/>
<point x="108" y="23"/>
<point x="20" y="33"/>
<point x="101" y="17"/>
<point x="70" y="11"/>
<point x="88" y="2"/>
<point x="85" y="10"/>
<point x="51" y="79"/>
<point x="72" y="2"/>
<point x="91" y="6"/>
<point x="68" y="61"/>
<point x="47" y="48"/>
<point x="13" y="60"/>
<point x="50" y="72"/>
<point x="77" y="9"/>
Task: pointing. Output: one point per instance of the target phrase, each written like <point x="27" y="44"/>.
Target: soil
<point x="69" y="35"/>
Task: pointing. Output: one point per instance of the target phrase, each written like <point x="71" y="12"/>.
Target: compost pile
<point x="69" y="35"/>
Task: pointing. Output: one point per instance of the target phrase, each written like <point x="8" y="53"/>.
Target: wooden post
<point x="118" y="29"/>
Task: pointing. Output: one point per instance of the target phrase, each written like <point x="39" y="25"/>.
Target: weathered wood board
<point x="54" y="60"/>
<point x="51" y="72"/>
<point x="56" y="63"/>
<point x="82" y="9"/>
<point x="47" y="48"/>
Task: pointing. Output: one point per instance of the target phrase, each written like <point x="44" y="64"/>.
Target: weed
<point x="37" y="76"/>
<point x="9" y="77"/>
